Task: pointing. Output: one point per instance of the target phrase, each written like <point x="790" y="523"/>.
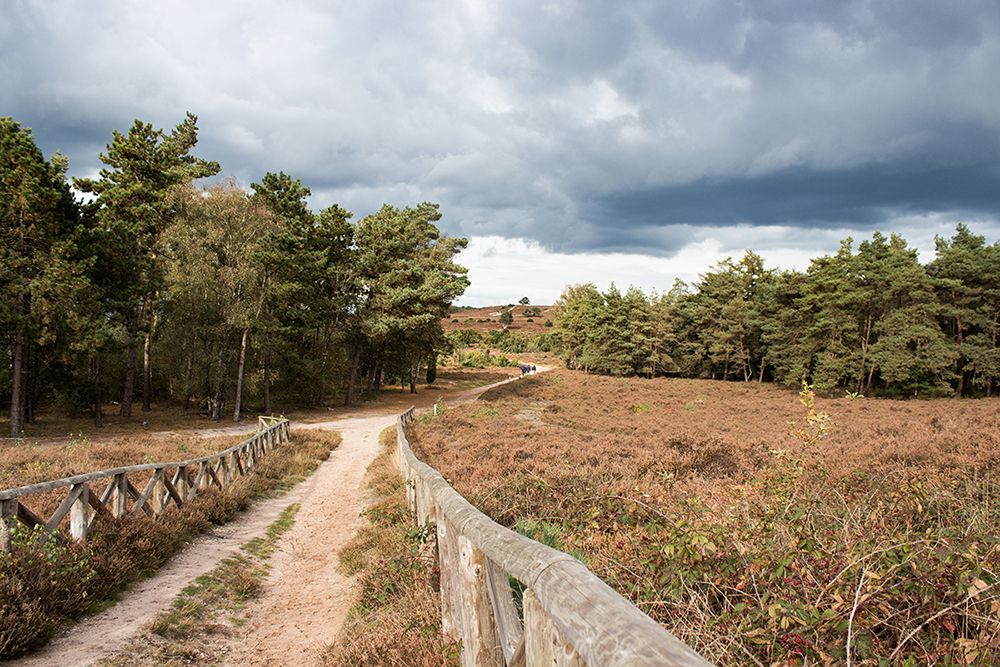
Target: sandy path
<point x="304" y="600"/>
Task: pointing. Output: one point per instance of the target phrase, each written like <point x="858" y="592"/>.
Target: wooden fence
<point x="113" y="493"/>
<point x="571" y="618"/>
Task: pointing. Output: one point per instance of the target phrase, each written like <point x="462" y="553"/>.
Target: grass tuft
<point x="197" y="608"/>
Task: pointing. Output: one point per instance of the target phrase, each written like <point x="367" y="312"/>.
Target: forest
<point x="153" y="287"/>
<point x="870" y="321"/>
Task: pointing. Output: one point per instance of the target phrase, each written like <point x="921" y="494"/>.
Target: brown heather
<point x="760" y="529"/>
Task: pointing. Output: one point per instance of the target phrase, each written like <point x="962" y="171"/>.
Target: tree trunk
<point x="187" y="375"/>
<point x="220" y="380"/>
<point x="864" y="355"/>
<point x="321" y="400"/>
<point x="95" y="373"/>
<point x="147" y="372"/>
<point x="267" y="381"/>
<point x="349" y="399"/>
<point x="31" y="393"/>
<point x="126" y="407"/>
<point x="18" y="391"/>
<point x="432" y="368"/>
<point x="415" y="371"/>
<point x="147" y="363"/>
<point x="239" y="376"/>
<point x="961" y="340"/>
<point x="216" y="413"/>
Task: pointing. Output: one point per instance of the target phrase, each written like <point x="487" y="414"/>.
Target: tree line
<point x="178" y="290"/>
<point x="870" y="320"/>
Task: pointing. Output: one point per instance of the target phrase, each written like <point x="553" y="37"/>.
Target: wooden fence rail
<point x="571" y="617"/>
<point x="167" y="483"/>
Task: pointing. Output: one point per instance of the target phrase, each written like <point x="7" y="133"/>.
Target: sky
<point x="628" y="141"/>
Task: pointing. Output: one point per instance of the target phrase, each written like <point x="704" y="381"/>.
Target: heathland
<point x="760" y="525"/>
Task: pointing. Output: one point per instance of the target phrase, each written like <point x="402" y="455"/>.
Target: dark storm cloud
<point x="860" y="198"/>
<point x="584" y="126"/>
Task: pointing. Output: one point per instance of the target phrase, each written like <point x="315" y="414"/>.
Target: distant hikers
<point x="525" y="369"/>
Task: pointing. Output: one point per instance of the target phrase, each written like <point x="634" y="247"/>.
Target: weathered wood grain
<point x="79" y="524"/>
<point x="480" y="641"/>
<point x="504" y="611"/>
<point x="451" y="611"/>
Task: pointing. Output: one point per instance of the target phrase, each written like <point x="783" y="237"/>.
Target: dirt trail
<point x="304" y="599"/>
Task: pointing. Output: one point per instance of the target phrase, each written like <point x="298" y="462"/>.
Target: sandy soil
<point x="304" y="599"/>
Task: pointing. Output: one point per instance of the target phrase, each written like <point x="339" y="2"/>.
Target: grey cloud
<point x="631" y="126"/>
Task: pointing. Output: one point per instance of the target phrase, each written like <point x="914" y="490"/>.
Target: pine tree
<point x="967" y="280"/>
<point x="405" y="278"/>
<point x="37" y="276"/>
<point x="142" y="168"/>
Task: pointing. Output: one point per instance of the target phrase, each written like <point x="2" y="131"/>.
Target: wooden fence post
<point x="504" y="611"/>
<point x="120" y="495"/>
<point x="157" y="502"/>
<point x="79" y="523"/>
<point x="181" y="482"/>
<point x="480" y="641"/>
<point x="543" y="643"/>
<point x="425" y="501"/>
<point x="8" y="519"/>
<point x="451" y="613"/>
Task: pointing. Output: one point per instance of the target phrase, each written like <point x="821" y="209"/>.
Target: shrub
<point x="42" y="585"/>
<point x="507" y="341"/>
<point x="464" y="337"/>
<point x="481" y="359"/>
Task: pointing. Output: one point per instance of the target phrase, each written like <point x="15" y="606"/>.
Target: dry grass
<point x="866" y="535"/>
